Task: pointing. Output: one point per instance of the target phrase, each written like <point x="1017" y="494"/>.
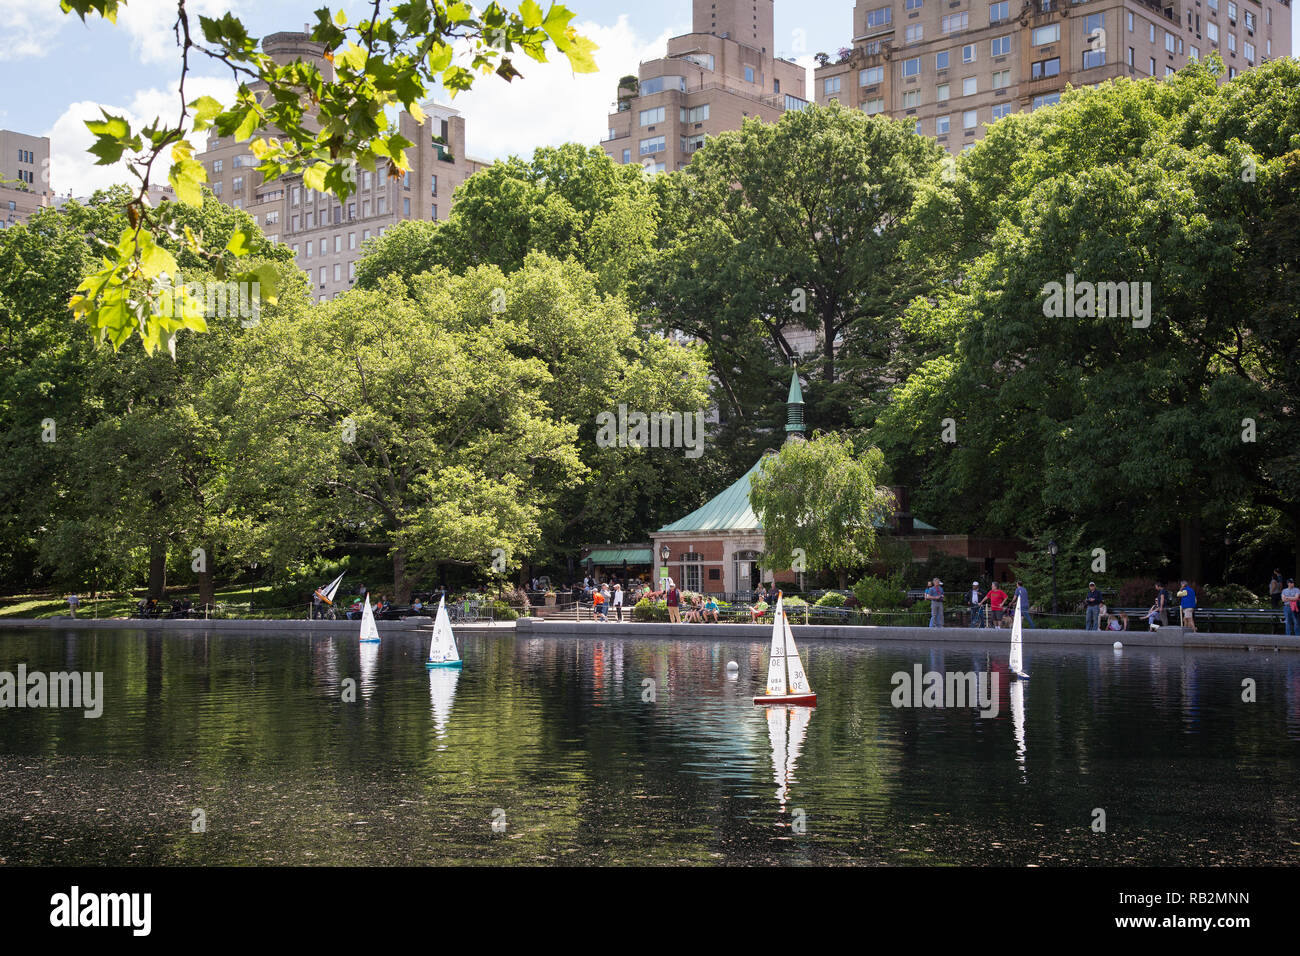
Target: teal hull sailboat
<point x="442" y="647"/>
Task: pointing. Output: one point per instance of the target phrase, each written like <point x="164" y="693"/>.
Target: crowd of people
<point x="995" y="608"/>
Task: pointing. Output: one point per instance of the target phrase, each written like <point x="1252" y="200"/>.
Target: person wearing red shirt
<point x="996" y="598"/>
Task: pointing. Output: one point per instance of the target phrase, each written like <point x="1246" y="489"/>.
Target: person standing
<point x="1290" y="598"/>
<point x="673" y="599"/>
<point x="1156" y="616"/>
<point x="996" y="598"/>
<point x="976" y="604"/>
<point x="618" y="601"/>
<point x="1022" y="602"/>
<point x="934" y="594"/>
<point x="1187" y="601"/>
<point x="1275" y="588"/>
<point x="74" y="600"/>
<point x="598" y="597"/>
<point x="1092" y="608"/>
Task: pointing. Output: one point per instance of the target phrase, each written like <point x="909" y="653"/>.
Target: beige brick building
<point x="24" y="176"/>
<point x="953" y="66"/>
<point x="327" y="236"/>
<point x="710" y="80"/>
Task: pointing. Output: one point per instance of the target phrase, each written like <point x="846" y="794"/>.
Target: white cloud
<point x="551" y="104"/>
<point x="29" y="27"/>
<point x="152" y="26"/>
<point x="74" y="170"/>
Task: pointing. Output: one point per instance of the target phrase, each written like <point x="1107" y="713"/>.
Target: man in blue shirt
<point x="1187" y="601"/>
<point x="934" y="593"/>
<point x="1022" y="602"/>
<point x="1092" y="608"/>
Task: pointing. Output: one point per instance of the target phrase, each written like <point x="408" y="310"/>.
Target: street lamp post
<point x="1052" y="550"/>
<point x="664" y="554"/>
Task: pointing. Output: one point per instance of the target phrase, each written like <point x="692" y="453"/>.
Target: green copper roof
<point x="794" y="409"/>
<point x="619" y="555"/>
<point x="796" y="394"/>
<point x="727" y="511"/>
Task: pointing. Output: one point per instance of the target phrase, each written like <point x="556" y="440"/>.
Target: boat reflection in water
<point x="787" y="727"/>
<point x="1018" y="721"/>
<point x="442" y="693"/>
<point x="369" y="668"/>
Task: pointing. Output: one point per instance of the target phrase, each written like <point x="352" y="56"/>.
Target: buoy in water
<point x="732" y="666"/>
<point x="1118" y="646"/>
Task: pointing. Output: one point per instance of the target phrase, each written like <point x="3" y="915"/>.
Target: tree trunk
<point x="207" y="588"/>
<point x="401" y="583"/>
<point x="828" y="350"/>
<point x="844" y="579"/>
<point x="1190" y="540"/>
<point x="157" y="568"/>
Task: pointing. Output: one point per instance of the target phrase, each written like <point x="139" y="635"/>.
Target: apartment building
<point x="327" y="236"/>
<point x="954" y="66"/>
<point x="24" y="176"/>
<point x="711" y="80"/>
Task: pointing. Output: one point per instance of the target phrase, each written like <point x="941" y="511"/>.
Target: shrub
<point x="953" y="570"/>
<point x="878" y="593"/>
<point x="501" y="611"/>
<point x="650" y="611"/>
<point x="831" y="599"/>
<point x="1227" y="595"/>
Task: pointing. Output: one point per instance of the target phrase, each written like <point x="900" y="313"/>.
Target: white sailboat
<point x="1016" y="664"/>
<point x="327" y="593"/>
<point x="369" y="630"/>
<point x="786" y="727"/>
<point x="786" y="681"/>
<point x="442" y="646"/>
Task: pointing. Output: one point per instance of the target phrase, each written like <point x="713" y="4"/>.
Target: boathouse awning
<point x="616" y="556"/>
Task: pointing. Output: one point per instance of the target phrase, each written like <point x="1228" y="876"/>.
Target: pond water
<point x="555" y="750"/>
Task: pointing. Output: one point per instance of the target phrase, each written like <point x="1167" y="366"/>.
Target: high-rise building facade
<point x="24" y="176"/>
<point x="953" y="66"/>
<point x="327" y="236"/>
<point x="711" y="80"/>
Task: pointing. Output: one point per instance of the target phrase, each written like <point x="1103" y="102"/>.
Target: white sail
<point x="1016" y="663"/>
<point x="786" y="727"/>
<point x="796" y="680"/>
<point x="442" y="693"/>
<point x="328" y="591"/>
<point x="369" y="630"/>
<point x="1018" y="717"/>
<point x="776" y="669"/>
<point x="442" y="647"/>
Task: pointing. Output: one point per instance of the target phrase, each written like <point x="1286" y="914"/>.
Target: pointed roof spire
<point x="794" y="427"/>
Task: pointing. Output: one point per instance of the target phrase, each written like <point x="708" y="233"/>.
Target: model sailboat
<point x="327" y="593"/>
<point x="369" y="630"/>
<point x="1017" y="663"/>
<point x="786" y="681"/>
<point x="442" y="647"/>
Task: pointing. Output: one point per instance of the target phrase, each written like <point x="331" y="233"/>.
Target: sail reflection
<point x="369" y="668"/>
<point x="786" y="727"/>
<point x="442" y="693"/>
<point x="1018" y="719"/>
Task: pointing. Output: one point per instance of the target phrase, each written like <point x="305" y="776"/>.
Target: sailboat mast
<point x="785" y="647"/>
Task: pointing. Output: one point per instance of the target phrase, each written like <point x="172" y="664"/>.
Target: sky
<point x="64" y="71"/>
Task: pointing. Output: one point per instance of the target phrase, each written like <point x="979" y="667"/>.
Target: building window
<point x="272" y="217"/>
<point x="1130" y="57"/>
<point x="365" y="180"/>
<point x="1169" y="42"/>
<point x="953" y="22"/>
<point x="831" y="85"/>
<point x="968" y="53"/>
<point x="406" y="207"/>
<point x="1249" y="50"/>
<point x="1045" y="35"/>
<point x="880" y="17"/>
<point x="1212" y="32"/>
<point x="434" y="214"/>
<point x="873" y="106"/>
<point x="912" y="67"/>
<point x="969" y="119"/>
<point x="217" y="165"/>
<point x="1130" y="22"/>
<point x="653" y="145"/>
<point x="999" y="12"/>
<point x="941" y="60"/>
<point x="657" y="84"/>
<point x="911" y="99"/>
<point x="308" y="250"/>
<point x="749" y="74"/>
<point x="295" y="250"/>
<point x="365" y="235"/>
<point x="381" y="205"/>
<point x="698" y="114"/>
<point x="1151" y="33"/>
<point x="1250" y="21"/>
<point x="1044" y="68"/>
<point x="914" y="4"/>
<point x="969" y="86"/>
<point x="322" y="275"/>
<point x="1151" y="64"/>
<point x="1048" y="100"/>
<point x="871" y="75"/>
<point x="941" y="124"/>
<point x="216" y="188"/>
<point x="1193" y="54"/>
<point x="1232" y="13"/>
<point x="1000" y="110"/>
<point x="651" y="116"/>
<point x="941" y="93"/>
<point x="1093" y="58"/>
<point x="914" y="33"/>
<point x="352" y="271"/>
<point x="338" y="271"/>
<point x="1001" y="79"/>
<point x="1000" y="46"/>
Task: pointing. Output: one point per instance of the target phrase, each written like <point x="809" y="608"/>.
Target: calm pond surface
<point x="552" y="739"/>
